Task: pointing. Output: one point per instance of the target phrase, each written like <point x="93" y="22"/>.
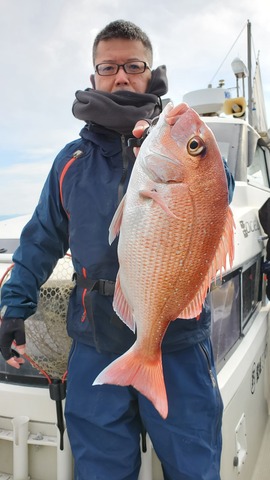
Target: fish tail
<point x="146" y="376"/>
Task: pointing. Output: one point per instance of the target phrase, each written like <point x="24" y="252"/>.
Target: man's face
<point x="118" y="50"/>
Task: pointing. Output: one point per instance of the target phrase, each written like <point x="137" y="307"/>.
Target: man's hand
<point x="138" y="131"/>
<point x="12" y="330"/>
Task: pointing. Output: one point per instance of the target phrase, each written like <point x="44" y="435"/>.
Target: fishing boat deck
<point x="262" y="469"/>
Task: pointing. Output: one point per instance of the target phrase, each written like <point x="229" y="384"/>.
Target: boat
<point x="33" y="439"/>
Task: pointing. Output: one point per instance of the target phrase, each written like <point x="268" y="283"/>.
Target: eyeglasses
<point x="106" y="69"/>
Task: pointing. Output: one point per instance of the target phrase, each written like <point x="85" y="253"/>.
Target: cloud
<point x="46" y="56"/>
<point x="21" y="184"/>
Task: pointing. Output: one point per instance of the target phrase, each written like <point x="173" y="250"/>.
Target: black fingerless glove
<point x="11" y="329"/>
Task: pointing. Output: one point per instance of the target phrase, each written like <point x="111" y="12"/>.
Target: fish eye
<point x="196" y="146"/>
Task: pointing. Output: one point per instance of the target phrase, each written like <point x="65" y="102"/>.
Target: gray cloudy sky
<point x="45" y="56"/>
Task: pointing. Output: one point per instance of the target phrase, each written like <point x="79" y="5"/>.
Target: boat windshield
<point x="247" y="155"/>
<point x="232" y="141"/>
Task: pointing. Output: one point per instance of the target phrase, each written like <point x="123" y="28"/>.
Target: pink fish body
<point x="176" y="230"/>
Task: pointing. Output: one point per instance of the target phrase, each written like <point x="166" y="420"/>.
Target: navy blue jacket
<point x="75" y="210"/>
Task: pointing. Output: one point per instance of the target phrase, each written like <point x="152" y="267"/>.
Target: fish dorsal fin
<point x="116" y="221"/>
<point x="122" y="307"/>
<point x="225" y="247"/>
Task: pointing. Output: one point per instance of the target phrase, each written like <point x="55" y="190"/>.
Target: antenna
<point x="250" y="100"/>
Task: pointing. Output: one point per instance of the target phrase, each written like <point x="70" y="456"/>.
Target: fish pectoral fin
<point x="121" y="306"/>
<point x="114" y="228"/>
<point x="154" y="195"/>
<point x="133" y="369"/>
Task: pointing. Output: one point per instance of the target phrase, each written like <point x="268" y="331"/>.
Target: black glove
<point x="11" y="329"/>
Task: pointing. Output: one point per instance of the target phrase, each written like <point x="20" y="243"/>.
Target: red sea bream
<point x="175" y="232"/>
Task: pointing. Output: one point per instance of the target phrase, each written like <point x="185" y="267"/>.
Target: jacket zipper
<point x="206" y="355"/>
<point x="74" y="157"/>
<point x="125" y="169"/>
<point x="84" y="292"/>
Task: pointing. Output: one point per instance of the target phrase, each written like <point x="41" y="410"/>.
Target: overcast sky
<point x="45" y="56"/>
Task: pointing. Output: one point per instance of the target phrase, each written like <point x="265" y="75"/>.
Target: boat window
<point x="225" y="301"/>
<point x="27" y="376"/>
<point x="257" y="171"/>
<point x="252" y="291"/>
<point x="234" y="303"/>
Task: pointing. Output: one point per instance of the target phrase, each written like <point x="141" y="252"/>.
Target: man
<point x="85" y="185"/>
